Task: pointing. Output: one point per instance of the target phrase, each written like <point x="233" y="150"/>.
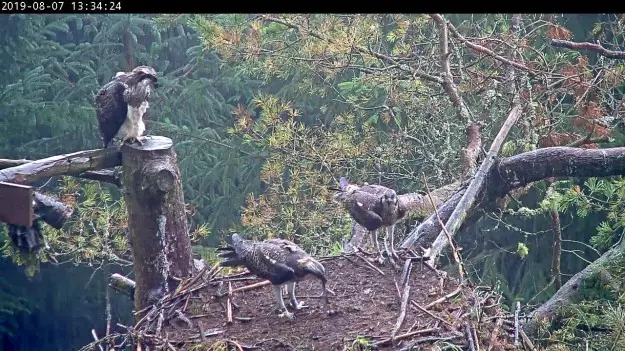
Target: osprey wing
<point x="111" y="109"/>
<point x="361" y="207"/>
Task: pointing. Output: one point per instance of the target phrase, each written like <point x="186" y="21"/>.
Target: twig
<point x="229" y="304"/>
<point x="444" y="298"/>
<point x="430" y="313"/>
<point x="402" y="314"/>
<point x="370" y="264"/>
<point x="527" y="343"/>
<point x="201" y="330"/>
<point x="516" y="324"/>
<point x="252" y="286"/>
<point x="404" y="336"/>
<point x="95" y="337"/>
<point x="586" y="46"/>
<point x="405" y="274"/>
<point x="451" y="244"/>
<point x="429" y="339"/>
<point x="469" y="337"/>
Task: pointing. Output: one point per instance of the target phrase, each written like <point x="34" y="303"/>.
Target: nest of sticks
<point x="371" y="308"/>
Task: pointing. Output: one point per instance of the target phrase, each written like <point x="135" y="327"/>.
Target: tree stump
<point x="158" y="231"/>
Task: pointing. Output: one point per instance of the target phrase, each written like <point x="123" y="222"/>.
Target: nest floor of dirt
<point x="363" y="311"/>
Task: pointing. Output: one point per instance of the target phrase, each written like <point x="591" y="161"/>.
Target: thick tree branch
<point x="520" y="170"/>
<point x="586" y="46"/>
<point x="105" y="176"/>
<point x="69" y="164"/>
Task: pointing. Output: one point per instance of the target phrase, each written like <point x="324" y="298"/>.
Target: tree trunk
<point x="157" y="223"/>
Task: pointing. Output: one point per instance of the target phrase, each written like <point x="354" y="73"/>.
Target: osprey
<point x="280" y="261"/>
<point x="121" y="105"/>
<point x="374" y="207"/>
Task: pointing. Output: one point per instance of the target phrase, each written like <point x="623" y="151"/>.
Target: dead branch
<point x="456" y="255"/>
<point x="586" y="46"/>
<point x="104" y="176"/>
<point x="444" y="298"/>
<point x="385" y="342"/>
<point x="571" y="290"/>
<point x="477" y="185"/>
<point x="430" y="313"/>
<point x="68" y="164"/>
<point x="557" y="244"/>
<point x="487" y="51"/>
<point x="229" y="304"/>
<point x="402" y="314"/>
<point x="444" y="58"/>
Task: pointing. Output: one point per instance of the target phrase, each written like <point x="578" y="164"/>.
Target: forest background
<point x="267" y="114"/>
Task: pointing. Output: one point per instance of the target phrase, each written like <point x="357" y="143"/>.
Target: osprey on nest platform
<point x="374" y="207"/>
<point x="278" y="260"/>
<point x="121" y="105"/>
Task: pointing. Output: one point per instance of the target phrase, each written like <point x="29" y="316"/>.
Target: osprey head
<point x="389" y="200"/>
<point x="140" y="73"/>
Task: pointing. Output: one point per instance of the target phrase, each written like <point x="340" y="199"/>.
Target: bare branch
<point x="477" y="185"/>
<point x="105" y="176"/>
<point x="69" y="164"/>
<point x="448" y="83"/>
<point x="487" y="51"/>
<point x="586" y="46"/>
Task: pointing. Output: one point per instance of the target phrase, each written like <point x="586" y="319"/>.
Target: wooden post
<point x="16" y="204"/>
<point x="157" y="223"/>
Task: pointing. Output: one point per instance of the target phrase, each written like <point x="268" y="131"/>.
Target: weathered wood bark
<point x="52" y="211"/>
<point x="459" y="214"/>
<point x="520" y="170"/>
<point x="158" y="230"/>
<point x="105" y="176"/>
<point x="570" y="292"/>
<point x="69" y="164"/>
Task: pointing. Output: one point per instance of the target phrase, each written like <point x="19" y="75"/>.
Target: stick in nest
<point x="402" y="314"/>
<point x="444" y="298"/>
<point x="404" y="336"/>
<point x="229" y="304"/>
<point x="440" y="221"/>
<point x="370" y="264"/>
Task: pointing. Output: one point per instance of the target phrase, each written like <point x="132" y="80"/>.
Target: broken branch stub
<point x="157" y="223"/>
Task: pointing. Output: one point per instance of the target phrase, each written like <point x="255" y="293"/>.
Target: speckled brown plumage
<point x="372" y="206"/>
<point x="280" y="261"/>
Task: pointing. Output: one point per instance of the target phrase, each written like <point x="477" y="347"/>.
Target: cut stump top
<point x="152" y="143"/>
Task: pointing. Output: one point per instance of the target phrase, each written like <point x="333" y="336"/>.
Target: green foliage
<point x="11" y="304"/>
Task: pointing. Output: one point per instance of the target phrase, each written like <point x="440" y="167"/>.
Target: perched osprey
<point x="121" y="105"/>
<point x="374" y="207"/>
<point x="278" y="260"/>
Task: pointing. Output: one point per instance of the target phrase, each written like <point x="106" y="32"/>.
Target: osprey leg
<point x="374" y="243"/>
<point x="390" y="232"/>
<point x="291" y="288"/>
<point x="277" y="290"/>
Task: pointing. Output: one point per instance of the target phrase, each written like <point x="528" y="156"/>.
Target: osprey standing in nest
<point x="374" y="207"/>
<point x="278" y="260"/>
<point x="121" y="105"/>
